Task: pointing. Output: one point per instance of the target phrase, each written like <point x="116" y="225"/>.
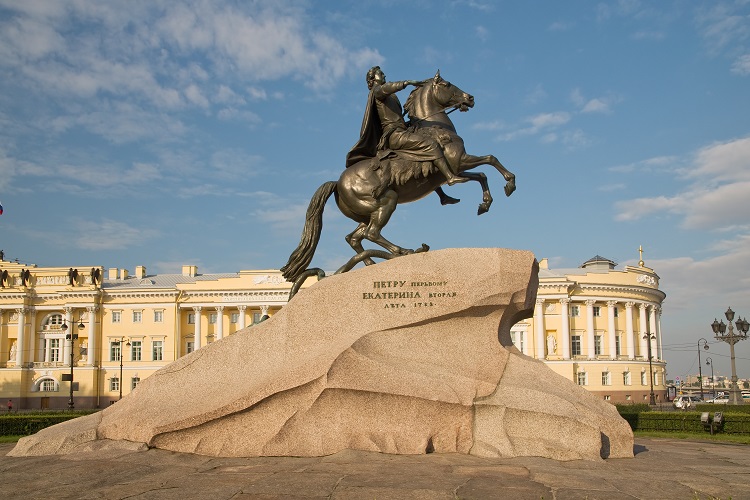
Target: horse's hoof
<point x="483" y="209"/>
<point x="423" y="248"/>
<point x="449" y="200"/>
<point x="510" y="186"/>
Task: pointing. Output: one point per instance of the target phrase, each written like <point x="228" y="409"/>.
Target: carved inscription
<point x="403" y="294"/>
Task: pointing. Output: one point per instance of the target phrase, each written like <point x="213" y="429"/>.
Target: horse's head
<point x="434" y="95"/>
<point x="450" y="96"/>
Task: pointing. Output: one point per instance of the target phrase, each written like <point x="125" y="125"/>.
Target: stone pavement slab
<point x="662" y="469"/>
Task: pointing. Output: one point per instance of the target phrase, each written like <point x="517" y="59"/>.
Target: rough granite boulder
<point x="410" y="356"/>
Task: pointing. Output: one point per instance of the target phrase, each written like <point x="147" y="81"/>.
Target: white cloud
<point x="104" y="234"/>
<point x="741" y="65"/>
<point x="482" y="33"/>
<point x="538" y="123"/>
<point x="717" y="197"/>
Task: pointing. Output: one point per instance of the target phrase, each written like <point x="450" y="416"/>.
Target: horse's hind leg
<point x="355" y="241"/>
<point x="379" y="218"/>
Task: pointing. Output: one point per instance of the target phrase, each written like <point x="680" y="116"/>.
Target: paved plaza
<point x="662" y="469"/>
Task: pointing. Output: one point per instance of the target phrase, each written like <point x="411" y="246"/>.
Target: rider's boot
<point x="445" y="169"/>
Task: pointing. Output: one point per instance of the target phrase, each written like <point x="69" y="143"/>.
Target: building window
<point x="53" y="322"/>
<point x="116" y="316"/>
<point x="54" y="350"/>
<point x="235" y="317"/>
<point x="616" y="314"/>
<point x="48" y="385"/>
<point x="134" y="382"/>
<point x="618" y="346"/>
<point x="136" y="347"/>
<point x="575" y="345"/>
<point x="574" y="311"/>
<point x="627" y="397"/>
<point x="158" y="316"/>
<point x="157" y="350"/>
<point x="517" y="338"/>
<point x="212" y="318"/>
<point x="607" y="397"/>
<point x="626" y="378"/>
<point x="190" y="347"/>
<point x="597" y="311"/>
<point x="191" y="318"/>
<point x="581" y="378"/>
<point x="256" y="318"/>
<point x="114" y="351"/>
<point x="597" y="345"/>
<point x="606" y="378"/>
<point x="137" y="316"/>
<point x="644" y="378"/>
<point x="114" y="384"/>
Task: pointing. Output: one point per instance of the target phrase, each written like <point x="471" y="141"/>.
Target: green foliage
<point x="25" y="424"/>
<point x="686" y="421"/>
<point x="725" y="409"/>
<point x="632" y="408"/>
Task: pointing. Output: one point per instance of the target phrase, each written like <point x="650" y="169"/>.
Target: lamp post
<point x="119" y="344"/>
<point x="709" y="361"/>
<point x="700" y="372"/>
<point x="72" y="337"/>
<point x="720" y="333"/>
<point x="649" y="337"/>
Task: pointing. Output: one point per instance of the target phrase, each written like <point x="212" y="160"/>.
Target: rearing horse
<point x="369" y="191"/>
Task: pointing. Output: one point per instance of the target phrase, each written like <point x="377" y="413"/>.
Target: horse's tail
<point x="303" y="254"/>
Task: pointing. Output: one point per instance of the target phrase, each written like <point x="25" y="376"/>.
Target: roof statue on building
<point x="395" y="162"/>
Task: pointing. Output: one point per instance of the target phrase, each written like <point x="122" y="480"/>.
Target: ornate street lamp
<point x="119" y="344"/>
<point x="709" y="361"/>
<point x="649" y="337"/>
<point x="720" y="333"/>
<point x="700" y="372"/>
<point x="72" y="337"/>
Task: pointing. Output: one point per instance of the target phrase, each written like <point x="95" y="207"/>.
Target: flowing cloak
<point x="369" y="135"/>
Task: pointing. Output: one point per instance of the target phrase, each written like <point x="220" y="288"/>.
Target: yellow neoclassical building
<point x="111" y="329"/>
<point x="115" y="329"/>
<point x="596" y="325"/>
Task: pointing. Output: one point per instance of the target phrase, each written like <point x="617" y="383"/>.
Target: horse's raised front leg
<point x="486" y="196"/>
<point x="470" y="161"/>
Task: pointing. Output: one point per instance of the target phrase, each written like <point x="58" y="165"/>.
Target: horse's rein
<point x="433" y="114"/>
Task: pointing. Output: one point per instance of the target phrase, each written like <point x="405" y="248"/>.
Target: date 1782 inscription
<point x="402" y="294"/>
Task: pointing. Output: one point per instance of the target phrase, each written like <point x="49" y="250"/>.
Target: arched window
<point x="46" y="384"/>
<point x="53" y="322"/>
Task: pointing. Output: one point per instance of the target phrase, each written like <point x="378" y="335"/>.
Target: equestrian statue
<point x="395" y="162"/>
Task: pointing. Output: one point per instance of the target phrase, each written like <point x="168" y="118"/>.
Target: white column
<point x="629" y="329"/>
<point x="611" y="333"/>
<point x="3" y="342"/>
<point x="178" y="332"/>
<point x="197" y="310"/>
<point x="32" y="336"/>
<point x="659" y="345"/>
<point x="93" y="341"/>
<point x="242" y="316"/>
<point x="219" y="322"/>
<point x="20" y="358"/>
<point x="565" y="319"/>
<point x="69" y="331"/>
<point x="590" y="329"/>
<point x="539" y="328"/>
<point x="643" y="330"/>
<point x="652" y="330"/>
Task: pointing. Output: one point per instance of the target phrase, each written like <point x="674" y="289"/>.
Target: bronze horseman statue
<point x="395" y="162"/>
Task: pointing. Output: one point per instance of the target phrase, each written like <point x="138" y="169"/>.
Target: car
<point x="685" y="402"/>
<point x="722" y="399"/>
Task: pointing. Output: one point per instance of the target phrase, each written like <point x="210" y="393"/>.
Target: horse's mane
<point x="414" y="96"/>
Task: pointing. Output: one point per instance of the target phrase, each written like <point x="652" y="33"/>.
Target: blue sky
<point x="164" y="133"/>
